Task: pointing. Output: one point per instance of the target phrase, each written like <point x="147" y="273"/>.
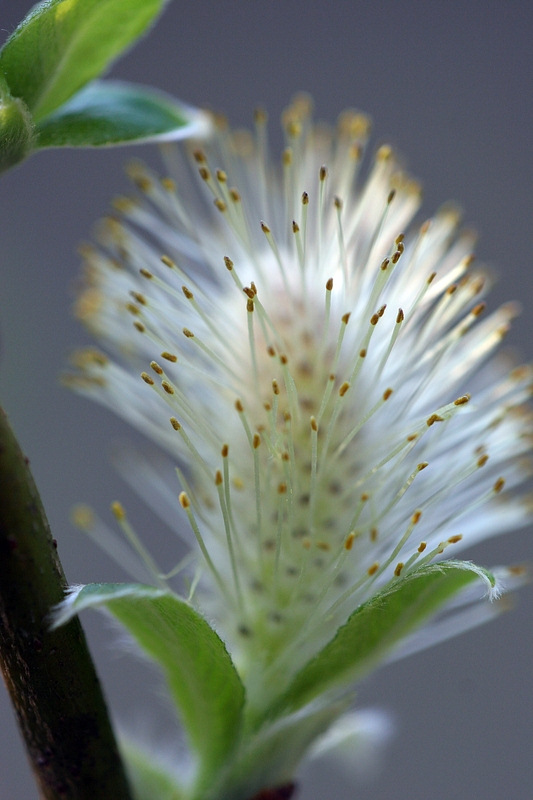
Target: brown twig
<point x="49" y="674"/>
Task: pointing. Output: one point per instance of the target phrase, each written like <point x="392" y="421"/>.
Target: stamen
<point x="128" y="531"/>
<point x="230" y="535"/>
<point x="185" y="503"/>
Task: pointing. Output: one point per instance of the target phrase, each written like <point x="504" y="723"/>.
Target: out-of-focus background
<point x="450" y="85"/>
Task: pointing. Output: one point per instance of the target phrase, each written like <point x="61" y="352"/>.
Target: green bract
<point x="239" y="750"/>
<point x="201" y="677"/>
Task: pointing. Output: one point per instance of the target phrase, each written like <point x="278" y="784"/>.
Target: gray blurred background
<point x="450" y="85"/>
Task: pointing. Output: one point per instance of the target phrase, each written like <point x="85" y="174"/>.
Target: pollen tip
<point x="147" y="378"/>
<point x="350" y="539"/>
<point x="82" y="517"/>
<point x="184" y="500"/>
<point x="344" y="388"/>
<point x="118" y="511"/>
<point x="373" y="569"/>
<point x="498" y="486"/>
<point x="175" y="424"/>
<point x="455" y="539"/>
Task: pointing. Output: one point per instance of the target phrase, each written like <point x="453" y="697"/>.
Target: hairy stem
<point x="49" y="674"/>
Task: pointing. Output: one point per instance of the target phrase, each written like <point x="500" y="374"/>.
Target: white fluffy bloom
<point x="320" y="369"/>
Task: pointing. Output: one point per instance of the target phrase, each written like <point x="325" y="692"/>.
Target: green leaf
<point x="63" y="44"/>
<point x="147" y="777"/>
<point x="110" y="112"/>
<point x="200" y="674"/>
<point x="377" y="626"/>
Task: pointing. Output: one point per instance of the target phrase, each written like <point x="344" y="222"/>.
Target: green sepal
<point x="376" y="627"/>
<point x="200" y="674"/>
<point x="112" y="113"/>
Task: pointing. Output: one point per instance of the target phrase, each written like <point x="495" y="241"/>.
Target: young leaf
<point x="376" y="626"/>
<point x="63" y="44"/>
<point x="110" y="112"/>
<point x="200" y="674"/>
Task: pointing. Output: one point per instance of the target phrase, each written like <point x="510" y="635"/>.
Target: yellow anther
<point x="350" y="539"/>
<point x="344" y="388"/>
<point x="455" y="539"/>
<point x="118" y="511"/>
